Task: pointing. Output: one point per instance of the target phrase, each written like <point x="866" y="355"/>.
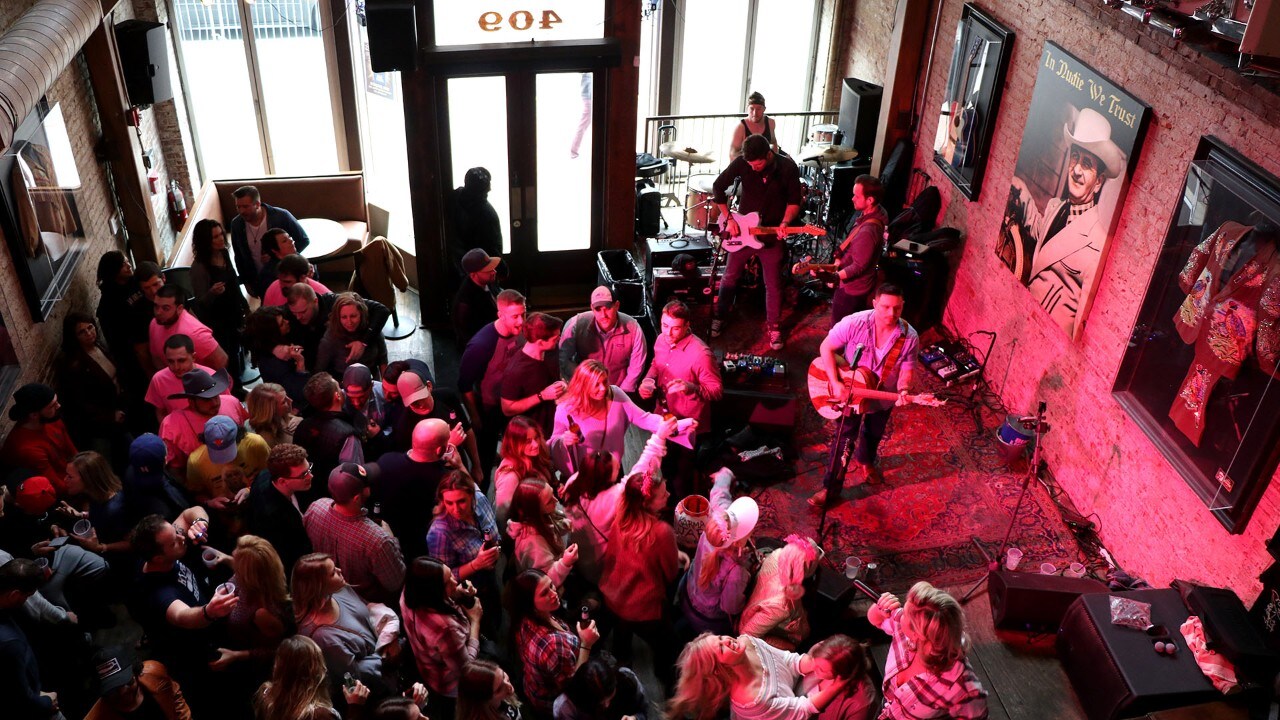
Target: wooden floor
<point x="1021" y="672"/>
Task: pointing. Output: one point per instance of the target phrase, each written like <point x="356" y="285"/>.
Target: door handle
<point x="516" y="223"/>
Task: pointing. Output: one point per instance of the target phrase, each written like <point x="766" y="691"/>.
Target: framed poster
<point x="1073" y="169"/>
<point x="979" y="62"/>
<point x="38" y="184"/>
<point x="1199" y="375"/>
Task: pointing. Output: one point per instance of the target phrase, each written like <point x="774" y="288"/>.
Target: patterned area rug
<point x="946" y="482"/>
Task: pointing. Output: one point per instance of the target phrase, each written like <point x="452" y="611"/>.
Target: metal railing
<point x="710" y="135"/>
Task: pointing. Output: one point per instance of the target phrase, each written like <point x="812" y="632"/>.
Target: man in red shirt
<point x="39" y="441"/>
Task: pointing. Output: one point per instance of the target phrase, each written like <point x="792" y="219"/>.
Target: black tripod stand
<point x="1040" y="428"/>
<point x="838" y="457"/>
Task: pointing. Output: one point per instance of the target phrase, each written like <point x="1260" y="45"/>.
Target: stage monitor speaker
<point x="860" y="114"/>
<point x="1115" y="671"/>
<point x="144" y="61"/>
<point x="1034" y="602"/>
<point x="840" y="205"/>
<point x="393" y="35"/>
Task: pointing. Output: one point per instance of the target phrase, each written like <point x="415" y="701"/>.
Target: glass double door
<point x="535" y="134"/>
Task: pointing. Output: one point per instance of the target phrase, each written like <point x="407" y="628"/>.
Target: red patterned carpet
<point x="945" y="481"/>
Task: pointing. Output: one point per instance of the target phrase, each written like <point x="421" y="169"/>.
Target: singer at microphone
<point x="880" y="348"/>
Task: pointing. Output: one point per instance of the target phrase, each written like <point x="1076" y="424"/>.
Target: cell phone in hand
<point x="59" y="541"/>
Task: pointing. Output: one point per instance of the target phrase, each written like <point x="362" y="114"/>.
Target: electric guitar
<point x="749" y="228"/>
<point x="805" y="266"/>
<point x="856" y="386"/>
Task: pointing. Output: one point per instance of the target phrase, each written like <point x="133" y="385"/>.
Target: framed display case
<point x="974" y="86"/>
<point x="1199" y="375"/>
<point x="38" y="186"/>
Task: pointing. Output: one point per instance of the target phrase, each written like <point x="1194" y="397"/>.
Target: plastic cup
<point x="210" y="557"/>
<point x="1048" y="569"/>
<point x="227" y="588"/>
<point x="853" y="567"/>
<point x="42" y="563"/>
<point x="1012" y="558"/>
<point x="1075" y="570"/>
<point x="82" y="529"/>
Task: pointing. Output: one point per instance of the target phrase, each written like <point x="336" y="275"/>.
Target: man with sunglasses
<point x="272" y="511"/>
<point x="1068" y="237"/>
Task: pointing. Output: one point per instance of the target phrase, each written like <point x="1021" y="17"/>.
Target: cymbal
<point x="687" y="154"/>
<point x="818" y="155"/>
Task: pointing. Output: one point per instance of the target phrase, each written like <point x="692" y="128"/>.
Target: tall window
<point x="728" y="49"/>
<point x="238" y="57"/>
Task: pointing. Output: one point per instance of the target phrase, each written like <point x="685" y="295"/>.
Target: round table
<point x="327" y="237"/>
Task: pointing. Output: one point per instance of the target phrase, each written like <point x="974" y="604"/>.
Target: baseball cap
<point x="29" y="398"/>
<point x="35" y="495"/>
<point x="476" y="260"/>
<point x="347" y="481"/>
<point x="220" y="434"/>
<point x="114" y="667"/>
<point x="146" y="455"/>
<point x="412" y="388"/>
<point x="601" y="296"/>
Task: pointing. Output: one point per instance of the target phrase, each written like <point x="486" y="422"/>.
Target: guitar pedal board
<point x="950" y="362"/>
<point x="744" y="365"/>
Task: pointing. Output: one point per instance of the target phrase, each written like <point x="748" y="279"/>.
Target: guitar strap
<point x="891" y="359"/>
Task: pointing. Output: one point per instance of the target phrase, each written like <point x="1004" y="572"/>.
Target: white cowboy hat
<point x="738" y="520"/>
<point x="1093" y="133"/>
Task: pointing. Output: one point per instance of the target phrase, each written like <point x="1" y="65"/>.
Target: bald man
<point x="404" y="483"/>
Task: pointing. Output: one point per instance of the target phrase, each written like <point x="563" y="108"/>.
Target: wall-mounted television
<point x="39" y="183"/>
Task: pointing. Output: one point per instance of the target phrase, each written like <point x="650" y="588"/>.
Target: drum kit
<point x="815" y="158"/>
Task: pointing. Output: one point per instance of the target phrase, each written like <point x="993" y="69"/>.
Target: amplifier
<point x="668" y="284"/>
<point x="658" y="253"/>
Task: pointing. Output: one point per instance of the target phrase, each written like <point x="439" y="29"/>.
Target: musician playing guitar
<point x="889" y="346"/>
<point x="859" y="254"/>
<point x="771" y="188"/>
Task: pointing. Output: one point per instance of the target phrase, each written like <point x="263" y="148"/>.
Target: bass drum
<point x="700" y="212"/>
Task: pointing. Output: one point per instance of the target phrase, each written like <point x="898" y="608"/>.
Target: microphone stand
<point x="836" y="453"/>
<point x="1034" y="470"/>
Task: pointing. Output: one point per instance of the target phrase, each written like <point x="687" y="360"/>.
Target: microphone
<point x="867" y="590"/>
<point x="857" y="355"/>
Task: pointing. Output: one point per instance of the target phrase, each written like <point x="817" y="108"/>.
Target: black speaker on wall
<point x="144" y="60"/>
<point x="393" y="35"/>
<point x="1030" y="601"/>
<point x="859" y="114"/>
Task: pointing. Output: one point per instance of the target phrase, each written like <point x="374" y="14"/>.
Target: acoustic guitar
<point x="953" y="110"/>
<point x="749" y="229"/>
<point x="857" y="385"/>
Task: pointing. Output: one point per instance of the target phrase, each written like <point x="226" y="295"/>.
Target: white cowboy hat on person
<point x="1092" y="132"/>
<point x="738" y="520"/>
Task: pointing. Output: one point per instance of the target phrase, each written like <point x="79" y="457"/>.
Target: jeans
<point x="771" y="264"/>
<point x="867" y="431"/>
<point x="843" y="305"/>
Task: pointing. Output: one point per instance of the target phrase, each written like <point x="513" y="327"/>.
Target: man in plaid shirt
<point x="926" y="675"/>
<point x="367" y="552"/>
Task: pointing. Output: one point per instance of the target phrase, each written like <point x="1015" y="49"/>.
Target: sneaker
<point x="717" y="327"/>
<point x="775" y="339"/>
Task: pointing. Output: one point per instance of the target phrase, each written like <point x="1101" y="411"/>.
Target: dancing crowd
<point x="343" y="538"/>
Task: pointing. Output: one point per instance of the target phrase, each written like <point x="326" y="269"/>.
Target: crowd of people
<point x="345" y="539"/>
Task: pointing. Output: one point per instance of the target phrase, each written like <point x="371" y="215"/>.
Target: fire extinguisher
<point x="177" y="206"/>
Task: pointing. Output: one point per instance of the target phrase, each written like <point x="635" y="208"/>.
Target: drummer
<point x="754" y="124"/>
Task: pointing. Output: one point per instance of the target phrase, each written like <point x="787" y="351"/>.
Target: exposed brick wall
<point x="865" y="29"/>
<point x="36" y="344"/>
<point x="1152" y="521"/>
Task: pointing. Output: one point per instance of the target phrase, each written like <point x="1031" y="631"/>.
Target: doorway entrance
<point x="535" y="132"/>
